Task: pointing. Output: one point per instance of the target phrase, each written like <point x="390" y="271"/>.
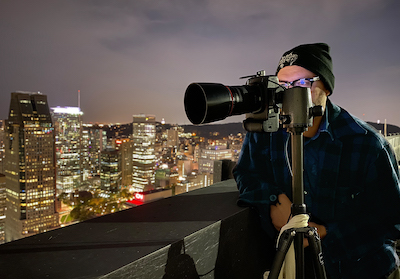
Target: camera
<point x="259" y="98"/>
<point x="262" y="99"/>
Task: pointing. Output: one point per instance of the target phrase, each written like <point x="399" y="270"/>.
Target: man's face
<point x="319" y="93"/>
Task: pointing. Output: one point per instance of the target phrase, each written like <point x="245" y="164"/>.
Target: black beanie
<point x="313" y="57"/>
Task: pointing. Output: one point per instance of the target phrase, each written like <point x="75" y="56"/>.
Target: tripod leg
<point x="285" y="241"/>
<point x="316" y="250"/>
<point x="299" y="255"/>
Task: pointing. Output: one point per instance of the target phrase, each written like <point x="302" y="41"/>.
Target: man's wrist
<point x="321" y="229"/>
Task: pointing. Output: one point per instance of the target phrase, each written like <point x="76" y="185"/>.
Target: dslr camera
<point x="266" y="103"/>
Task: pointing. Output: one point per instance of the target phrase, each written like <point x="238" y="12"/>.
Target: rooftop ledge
<point x="199" y="234"/>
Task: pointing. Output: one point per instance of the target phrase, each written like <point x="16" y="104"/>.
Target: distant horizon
<point x="216" y="123"/>
<point x="220" y="122"/>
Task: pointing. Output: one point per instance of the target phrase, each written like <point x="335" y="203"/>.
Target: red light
<point x="118" y="141"/>
<point x="135" y="202"/>
<point x="139" y="196"/>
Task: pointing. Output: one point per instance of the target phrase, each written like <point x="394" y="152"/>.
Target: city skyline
<point x="128" y="58"/>
<point x="59" y="171"/>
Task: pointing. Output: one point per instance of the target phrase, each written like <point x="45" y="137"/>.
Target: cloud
<point x="146" y="52"/>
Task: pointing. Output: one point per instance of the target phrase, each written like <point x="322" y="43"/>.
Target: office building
<point x="2" y="207"/>
<point x="192" y="182"/>
<point x="124" y="146"/>
<point x="94" y="140"/>
<point x="68" y="134"/>
<point x="185" y="165"/>
<point x="2" y="139"/>
<point x="172" y="137"/>
<point x="143" y="152"/>
<point x="29" y="167"/>
<point x="209" y="155"/>
<point x="110" y="175"/>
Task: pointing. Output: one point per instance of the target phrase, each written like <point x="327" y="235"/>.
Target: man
<point x="351" y="177"/>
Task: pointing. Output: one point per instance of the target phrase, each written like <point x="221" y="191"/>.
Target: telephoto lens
<point x="209" y="102"/>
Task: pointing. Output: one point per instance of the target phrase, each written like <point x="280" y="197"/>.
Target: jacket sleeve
<point x="254" y="174"/>
<point x="373" y="214"/>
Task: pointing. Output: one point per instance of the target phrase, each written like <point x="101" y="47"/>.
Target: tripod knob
<point x="285" y="119"/>
<point x="299" y="209"/>
<point x="316" y="111"/>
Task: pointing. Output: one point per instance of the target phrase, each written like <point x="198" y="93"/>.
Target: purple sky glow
<point x="132" y="57"/>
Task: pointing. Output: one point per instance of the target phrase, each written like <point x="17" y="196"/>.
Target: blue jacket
<point x="355" y="192"/>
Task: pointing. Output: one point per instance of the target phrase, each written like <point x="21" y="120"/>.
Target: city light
<point x="68" y="110"/>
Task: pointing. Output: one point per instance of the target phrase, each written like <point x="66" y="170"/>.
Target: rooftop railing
<point x="199" y="234"/>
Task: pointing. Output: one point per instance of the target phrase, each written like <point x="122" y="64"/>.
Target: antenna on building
<point x="79" y="99"/>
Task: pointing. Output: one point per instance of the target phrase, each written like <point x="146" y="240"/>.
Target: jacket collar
<point x="341" y="123"/>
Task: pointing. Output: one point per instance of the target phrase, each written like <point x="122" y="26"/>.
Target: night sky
<point x="136" y="56"/>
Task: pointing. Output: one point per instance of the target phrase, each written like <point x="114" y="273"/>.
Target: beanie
<point x="313" y="57"/>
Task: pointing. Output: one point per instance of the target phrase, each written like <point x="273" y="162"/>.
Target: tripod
<point x="298" y="115"/>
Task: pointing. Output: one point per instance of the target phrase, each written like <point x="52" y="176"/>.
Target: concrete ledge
<point x="202" y="233"/>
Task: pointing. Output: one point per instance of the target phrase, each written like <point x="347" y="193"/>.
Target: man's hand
<point x="280" y="212"/>
<point x="321" y="230"/>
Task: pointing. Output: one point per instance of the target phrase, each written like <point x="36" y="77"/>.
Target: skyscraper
<point x="2" y="139"/>
<point x="94" y="140"/>
<point x="124" y="146"/>
<point x="29" y="167"/>
<point x="68" y="134"/>
<point x="143" y="156"/>
<point x="110" y="174"/>
<point x="2" y="207"/>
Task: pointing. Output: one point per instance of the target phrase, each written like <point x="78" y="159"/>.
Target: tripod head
<point x="293" y="108"/>
<point x="298" y="110"/>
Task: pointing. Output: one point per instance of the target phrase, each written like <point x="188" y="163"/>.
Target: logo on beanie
<point x="287" y="60"/>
